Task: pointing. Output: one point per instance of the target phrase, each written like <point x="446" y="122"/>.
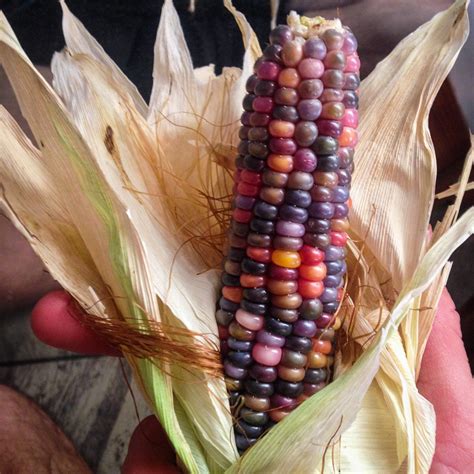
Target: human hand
<point x="55" y="323"/>
<point x="445" y="379"/>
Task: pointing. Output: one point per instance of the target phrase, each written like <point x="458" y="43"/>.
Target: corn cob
<point x="285" y="265"/>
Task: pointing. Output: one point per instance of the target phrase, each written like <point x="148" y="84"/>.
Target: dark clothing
<point x="127" y="29"/>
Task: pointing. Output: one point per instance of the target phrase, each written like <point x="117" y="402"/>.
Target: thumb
<point x="149" y="450"/>
<point x="446" y="381"/>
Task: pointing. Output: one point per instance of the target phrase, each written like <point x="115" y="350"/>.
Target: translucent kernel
<point x="349" y="137"/>
<point x="286" y="259"/>
<point x="267" y="355"/>
<point x="313" y="272"/>
<point x="310" y="289"/>
<point x="289" y="77"/>
<point x="281" y="129"/>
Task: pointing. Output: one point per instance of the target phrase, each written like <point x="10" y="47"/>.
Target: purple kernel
<point x="244" y="202"/>
<point x="269" y="339"/>
<point x="346" y="156"/>
<point x="283" y="146"/>
<point x="318" y="226"/>
<point x="344" y="178"/>
<point x="350" y="43"/>
<point x="245" y="119"/>
<point x="340" y="210"/>
<point x="304" y="328"/>
<point x="330" y="128"/>
<point x="340" y="194"/>
<point x="281" y="35"/>
<point x="351" y="81"/>
<point x="268" y="70"/>
<point x="262" y="104"/>
<point x="280" y="401"/>
<point x="293" y="214"/>
<point x="324" y="321"/>
<point x="309" y="109"/>
<point x="282" y="273"/>
<point x="329" y="294"/>
<point x="273" y="53"/>
<point x="258" y="119"/>
<point x="234" y="372"/>
<point x="333" y="281"/>
<point x="332" y="253"/>
<point x="263" y="373"/>
<point x="290" y="229"/>
<point x="321" y="210"/>
<point x="251" y="83"/>
<point x="314" y="48"/>
<point x="304" y="160"/>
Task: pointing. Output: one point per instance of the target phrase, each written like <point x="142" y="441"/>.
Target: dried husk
<point x="127" y="204"/>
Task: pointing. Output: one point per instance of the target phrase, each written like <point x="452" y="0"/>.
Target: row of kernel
<point x="291" y="171"/>
<point x="332" y="194"/>
<point x="245" y="275"/>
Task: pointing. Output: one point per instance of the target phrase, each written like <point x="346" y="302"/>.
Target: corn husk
<point x="127" y="205"/>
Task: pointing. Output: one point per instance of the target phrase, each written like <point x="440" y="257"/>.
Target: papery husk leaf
<point x="412" y="430"/>
<point x="100" y="221"/>
<point x="80" y="41"/>
<point x="314" y="425"/>
<point x="100" y="109"/>
<point x="371" y="433"/>
<point x="88" y="201"/>
<point x="429" y="300"/>
<point x="30" y="198"/>
<point x="395" y="161"/>
<point x="453" y="190"/>
<point x="196" y="115"/>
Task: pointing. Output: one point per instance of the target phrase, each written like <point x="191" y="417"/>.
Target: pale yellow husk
<point x="127" y="204"/>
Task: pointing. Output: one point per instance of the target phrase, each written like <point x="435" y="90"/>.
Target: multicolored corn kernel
<point x="285" y="263"/>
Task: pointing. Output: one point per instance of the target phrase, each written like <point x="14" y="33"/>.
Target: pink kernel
<point x="266" y="355"/>
<point x="249" y="320"/>
<point x="310" y="68"/>
<point x="268" y="71"/>
<point x="263" y="105"/>
<point x="337" y="238"/>
<point x="352" y="63"/>
<point x="351" y="118"/>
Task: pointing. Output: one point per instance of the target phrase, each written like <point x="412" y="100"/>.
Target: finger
<point x="149" y="450"/>
<point x="446" y="381"/>
<point x="57" y="322"/>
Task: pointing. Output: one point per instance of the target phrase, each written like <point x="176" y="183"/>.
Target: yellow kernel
<point x="286" y="258"/>
<point x="337" y="323"/>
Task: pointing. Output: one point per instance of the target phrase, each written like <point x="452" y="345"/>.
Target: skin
<point x="445" y="379"/>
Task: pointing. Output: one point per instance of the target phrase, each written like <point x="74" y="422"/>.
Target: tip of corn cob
<point x="307" y="27"/>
